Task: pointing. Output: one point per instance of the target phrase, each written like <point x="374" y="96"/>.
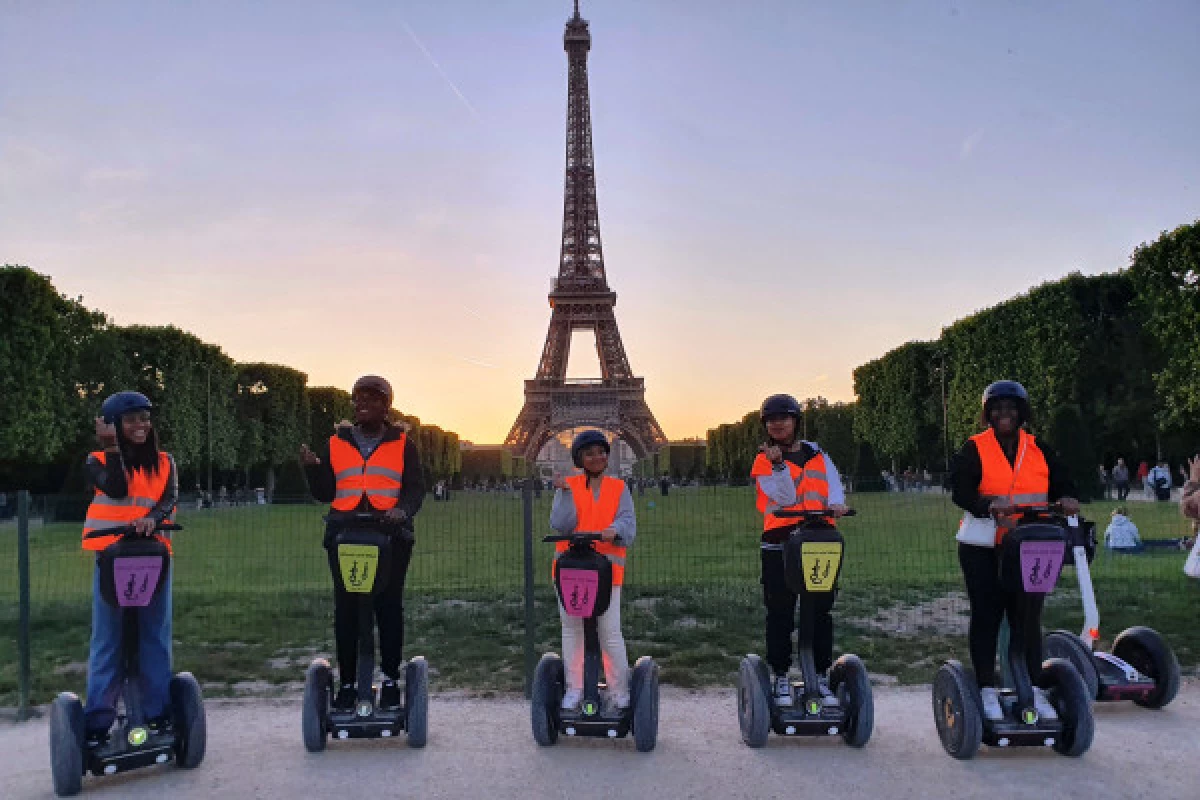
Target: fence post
<point x="530" y="622"/>
<point x="23" y="603"/>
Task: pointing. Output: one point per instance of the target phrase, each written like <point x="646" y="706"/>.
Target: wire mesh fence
<point x="252" y="596"/>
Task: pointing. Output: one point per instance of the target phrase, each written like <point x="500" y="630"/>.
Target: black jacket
<point x="966" y="471"/>
<point x="412" y="493"/>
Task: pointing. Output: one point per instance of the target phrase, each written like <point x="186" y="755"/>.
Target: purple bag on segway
<point x="584" y="583"/>
<point x="133" y="571"/>
<point x="1032" y="558"/>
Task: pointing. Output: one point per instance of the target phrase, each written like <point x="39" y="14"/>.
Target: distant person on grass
<point x="1121" y="534"/>
<point x="995" y="473"/>
<point x="373" y="467"/>
<point x="135" y="484"/>
<point x="795" y="475"/>
<point x="1120" y="476"/>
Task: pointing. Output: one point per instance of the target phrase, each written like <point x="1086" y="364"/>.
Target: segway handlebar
<point x="1035" y="509"/>
<point x="129" y="530"/>
<point x="573" y="538"/>
<point x="785" y="514"/>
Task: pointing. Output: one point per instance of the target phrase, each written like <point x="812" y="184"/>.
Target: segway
<point x="1141" y="667"/>
<point x="133" y="570"/>
<point x="812" y="563"/>
<point x="364" y="551"/>
<point x="583" y="580"/>
<point x="1031" y="557"/>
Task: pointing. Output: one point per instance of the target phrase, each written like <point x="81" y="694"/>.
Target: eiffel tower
<point x="582" y="299"/>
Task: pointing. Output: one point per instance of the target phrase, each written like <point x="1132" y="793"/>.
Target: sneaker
<point x="346" y="697"/>
<point x="571" y="699"/>
<point x="991" y="704"/>
<point x="783" y="691"/>
<point x="1042" y="704"/>
<point x="389" y="695"/>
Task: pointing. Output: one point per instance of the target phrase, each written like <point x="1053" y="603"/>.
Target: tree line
<point x="60" y="359"/>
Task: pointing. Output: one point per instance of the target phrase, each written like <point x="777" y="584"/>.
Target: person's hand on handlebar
<point x="609" y="534"/>
<point x="1069" y="505"/>
<point x="838" y="509"/>
<point x="144" y="526"/>
<point x="396" y="516"/>
<point x="1001" y="507"/>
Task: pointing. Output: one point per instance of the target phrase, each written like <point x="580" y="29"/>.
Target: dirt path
<point x="483" y="748"/>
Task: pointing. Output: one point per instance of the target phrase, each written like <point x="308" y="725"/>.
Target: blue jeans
<point x="106" y="676"/>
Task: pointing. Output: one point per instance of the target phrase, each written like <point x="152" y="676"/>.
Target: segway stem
<point x="591" y="664"/>
<point x="135" y="714"/>
<point x="804" y="637"/>
<point x="1091" y="612"/>
<point x="366" y="649"/>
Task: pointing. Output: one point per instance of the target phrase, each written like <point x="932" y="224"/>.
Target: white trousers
<point x="612" y="645"/>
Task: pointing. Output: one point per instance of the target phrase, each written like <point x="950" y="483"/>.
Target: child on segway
<point x="592" y="502"/>
<point x="794" y="475"/>
<point x="372" y="467"/>
<point x="135" y="485"/>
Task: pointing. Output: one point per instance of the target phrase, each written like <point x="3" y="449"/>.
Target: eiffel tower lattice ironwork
<point x="582" y="299"/>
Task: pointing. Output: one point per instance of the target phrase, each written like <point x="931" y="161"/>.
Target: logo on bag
<point x="578" y="602"/>
<point x="359" y="573"/>
<point x="818" y="576"/>
<point x="1035" y="574"/>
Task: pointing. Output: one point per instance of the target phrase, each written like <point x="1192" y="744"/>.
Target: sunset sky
<point x="786" y="189"/>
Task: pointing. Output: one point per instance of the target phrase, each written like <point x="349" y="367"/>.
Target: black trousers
<point x="780" y="602"/>
<point x="1122" y="491"/>
<point x="389" y="617"/>
<point x="990" y="604"/>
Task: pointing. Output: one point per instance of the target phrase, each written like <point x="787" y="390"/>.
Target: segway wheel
<point x="416" y="700"/>
<point x="66" y="744"/>
<point x="754" y="709"/>
<point x="849" y="681"/>
<point x="1068" y="695"/>
<point x="956" y="711"/>
<point x="1070" y="648"/>
<point x="191" y="727"/>
<point x="314" y="718"/>
<point x="548" y="680"/>
<point x="645" y="704"/>
<point x="1150" y="655"/>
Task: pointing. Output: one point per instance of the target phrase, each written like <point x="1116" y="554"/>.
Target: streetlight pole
<point x="945" y="416"/>
<point x="208" y="392"/>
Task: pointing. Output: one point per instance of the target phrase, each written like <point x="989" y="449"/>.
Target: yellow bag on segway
<point x="364" y="561"/>
<point x="812" y="558"/>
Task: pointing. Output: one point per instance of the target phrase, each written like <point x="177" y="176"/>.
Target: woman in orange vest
<point x="795" y="475"/>
<point x="372" y="466"/>
<point x="995" y="473"/>
<point x="135" y="484"/>
<point x="592" y="502"/>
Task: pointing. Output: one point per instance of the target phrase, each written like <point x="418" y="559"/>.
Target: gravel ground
<point x="483" y="747"/>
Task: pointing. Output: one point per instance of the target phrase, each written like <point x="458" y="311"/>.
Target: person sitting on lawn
<point x="1121" y="534"/>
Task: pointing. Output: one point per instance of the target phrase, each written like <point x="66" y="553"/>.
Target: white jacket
<point x="1121" y="533"/>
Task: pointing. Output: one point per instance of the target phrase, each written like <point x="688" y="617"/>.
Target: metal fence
<point x="252" y="586"/>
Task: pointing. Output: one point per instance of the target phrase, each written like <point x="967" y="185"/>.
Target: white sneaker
<point x="991" y="703"/>
<point x="783" y="691"/>
<point x="1042" y="704"/>
<point x="571" y="699"/>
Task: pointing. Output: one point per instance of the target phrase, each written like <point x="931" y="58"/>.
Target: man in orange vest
<point x="792" y="474"/>
<point x="592" y="502"/>
<point x="992" y="476"/>
<point x="372" y="466"/>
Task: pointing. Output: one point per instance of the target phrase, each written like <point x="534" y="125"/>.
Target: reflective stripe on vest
<point x="144" y="491"/>
<point x="594" y="515"/>
<point x="1025" y="482"/>
<point x="380" y="477"/>
<point x="812" y="490"/>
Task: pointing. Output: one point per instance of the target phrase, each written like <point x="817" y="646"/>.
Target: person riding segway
<point x="1001" y="478"/>
<point x="593" y="514"/>
<point x="136" y="489"/>
<point x="799" y="493"/>
<point x="373" y="482"/>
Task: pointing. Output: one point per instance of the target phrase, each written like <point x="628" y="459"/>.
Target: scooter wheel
<point x="1152" y="656"/>
<point x="416" y="700"/>
<point x="314" y="717"/>
<point x="1069" y="647"/>
<point x="1068" y="695"/>
<point x="956" y="711"/>
<point x="66" y="744"/>
<point x="645" y="704"/>
<point x="754" y="709"/>
<point x="547" y="693"/>
<point x="191" y="728"/>
<point x="849" y="674"/>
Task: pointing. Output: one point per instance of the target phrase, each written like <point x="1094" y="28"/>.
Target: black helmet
<point x="586" y="439"/>
<point x="375" y="384"/>
<point x="122" y="403"/>
<point x="779" y="404"/>
<point x="1010" y="389"/>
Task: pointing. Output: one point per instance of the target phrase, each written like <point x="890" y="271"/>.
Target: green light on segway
<point x="1029" y="716"/>
<point x="814" y="706"/>
<point x="589" y="708"/>
<point x="137" y="736"/>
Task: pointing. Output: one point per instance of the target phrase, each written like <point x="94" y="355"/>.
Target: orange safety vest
<point x="812" y="490"/>
<point x="595" y="515"/>
<point x="144" y="492"/>
<point x="1025" y="482"/>
<point x="379" y="477"/>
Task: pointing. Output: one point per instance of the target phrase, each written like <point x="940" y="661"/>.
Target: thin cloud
<point x="439" y="69"/>
<point x="97" y="175"/>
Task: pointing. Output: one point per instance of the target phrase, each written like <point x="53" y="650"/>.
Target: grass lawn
<point x="252" y="590"/>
